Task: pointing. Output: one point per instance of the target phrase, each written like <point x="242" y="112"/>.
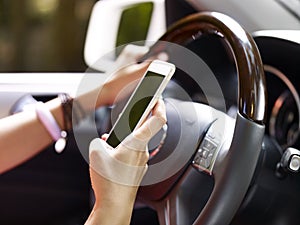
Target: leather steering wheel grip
<point x="252" y="100"/>
<point x="231" y="184"/>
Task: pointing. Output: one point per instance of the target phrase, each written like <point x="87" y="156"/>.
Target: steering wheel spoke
<point x="215" y="144"/>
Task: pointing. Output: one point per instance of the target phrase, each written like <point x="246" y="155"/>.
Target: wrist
<point x="113" y="194"/>
<point x="107" y="94"/>
<point x="103" y="97"/>
<point x="110" y="214"/>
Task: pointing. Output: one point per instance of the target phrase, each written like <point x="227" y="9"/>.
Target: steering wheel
<point x="231" y="159"/>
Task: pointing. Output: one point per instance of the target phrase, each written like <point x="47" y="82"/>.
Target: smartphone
<point x="141" y="101"/>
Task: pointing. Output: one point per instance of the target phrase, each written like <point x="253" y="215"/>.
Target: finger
<point x="142" y="52"/>
<point x="130" y="55"/>
<point x="132" y="52"/>
<point x="104" y="137"/>
<point x="163" y="56"/>
<point x="159" y="110"/>
<point x="139" y="138"/>
<point x="153" y="124"/>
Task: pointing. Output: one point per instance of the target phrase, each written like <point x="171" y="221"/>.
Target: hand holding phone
<point x="142" y="100"/>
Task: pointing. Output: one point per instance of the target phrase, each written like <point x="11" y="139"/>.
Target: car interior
<point x="230" y="154"/>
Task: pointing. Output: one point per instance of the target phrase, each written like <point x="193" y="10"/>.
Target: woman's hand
<point x="125" y="73"/>
<point x="117" y="173"/>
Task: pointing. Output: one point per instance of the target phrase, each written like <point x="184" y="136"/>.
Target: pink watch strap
<point x="47" y="119"/>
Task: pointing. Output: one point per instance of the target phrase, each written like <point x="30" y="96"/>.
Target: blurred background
<point x="43" y="35"/>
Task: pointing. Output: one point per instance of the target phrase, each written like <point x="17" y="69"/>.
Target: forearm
<point x="23" y="135"/>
